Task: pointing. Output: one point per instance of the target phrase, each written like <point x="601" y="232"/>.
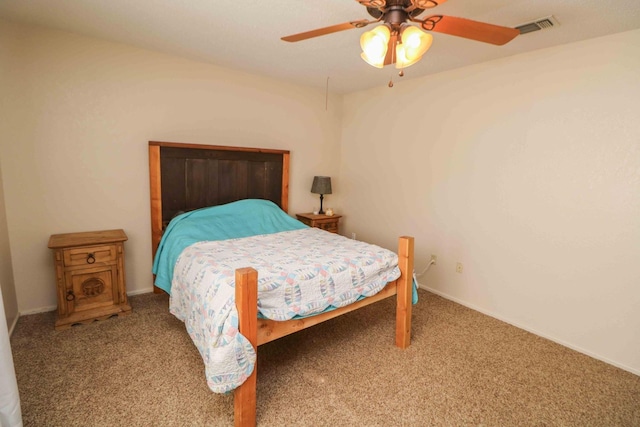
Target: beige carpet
<point x="462" y="369"/>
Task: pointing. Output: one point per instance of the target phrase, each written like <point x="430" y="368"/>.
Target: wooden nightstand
<point x="89" y="276"/>
<point x="325" y="222"/>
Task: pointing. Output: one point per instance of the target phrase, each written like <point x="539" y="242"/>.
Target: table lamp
<point x="321" y="185"/>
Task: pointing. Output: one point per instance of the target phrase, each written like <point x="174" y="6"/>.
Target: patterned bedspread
<point x="300" y="273"/>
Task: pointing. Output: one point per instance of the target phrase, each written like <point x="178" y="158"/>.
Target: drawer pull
<point x="91" y="258"/>
<point x="70" y="296"/>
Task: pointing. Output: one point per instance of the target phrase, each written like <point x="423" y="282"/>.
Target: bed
<point x="187" y="180"/>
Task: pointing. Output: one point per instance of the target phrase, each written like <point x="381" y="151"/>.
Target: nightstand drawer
<point x="328" y="223"/>
<point x="86" y="256"/>
<point x="328" y="226"/>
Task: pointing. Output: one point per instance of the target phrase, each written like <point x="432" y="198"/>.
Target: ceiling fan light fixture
<point x="414" y="43"/>
<point x="374" y="45"/>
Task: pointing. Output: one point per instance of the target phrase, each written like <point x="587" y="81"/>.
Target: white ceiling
<point x="245" y="35"/>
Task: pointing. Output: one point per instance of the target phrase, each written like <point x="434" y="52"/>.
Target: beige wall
<point x="527" y="171"/>
<point x="81" y="114"/>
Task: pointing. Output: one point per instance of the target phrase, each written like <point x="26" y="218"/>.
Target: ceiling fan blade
<point x="326" y="30"/>
<point x="469" y="29"/>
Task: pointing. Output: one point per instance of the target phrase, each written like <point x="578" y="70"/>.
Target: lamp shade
<point x="374" y="45"/>
<point x="414" y="44"/>
<point x="321" y="185"/>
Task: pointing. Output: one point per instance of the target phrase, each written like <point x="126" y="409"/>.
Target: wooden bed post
<point x="156" y="202"/>
<point x="404" y="292"/>
<point x="284" y="200"/>
<point x="244" y="397"/>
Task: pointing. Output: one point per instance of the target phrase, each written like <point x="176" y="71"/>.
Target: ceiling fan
<point x="396" y="41"/>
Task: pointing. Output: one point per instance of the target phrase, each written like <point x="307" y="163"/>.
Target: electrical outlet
<point x="459" y="267"/>
<point x="434" y="259"/>
<point x="353" y="236"/>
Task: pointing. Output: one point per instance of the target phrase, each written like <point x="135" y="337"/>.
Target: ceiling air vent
<point x="538" y="24"/>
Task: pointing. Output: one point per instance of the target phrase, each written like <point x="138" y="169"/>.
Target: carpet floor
<point x="462" y="369"/>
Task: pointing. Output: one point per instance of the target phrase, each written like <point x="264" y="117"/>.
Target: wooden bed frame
<point x="196" y="176"/>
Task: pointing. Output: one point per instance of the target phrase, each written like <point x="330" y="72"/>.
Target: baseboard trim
<point x="13" y="324"/>
<point x="38" y="310"/>
<point x="533" y="331"/>
<point x="140" y="291"/>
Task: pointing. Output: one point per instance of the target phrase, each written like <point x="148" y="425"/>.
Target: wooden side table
<point x="324" y="222"/>
<point x="90" y="276"/>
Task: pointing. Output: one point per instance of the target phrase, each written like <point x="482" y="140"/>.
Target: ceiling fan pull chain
<point x="326" y="96"/>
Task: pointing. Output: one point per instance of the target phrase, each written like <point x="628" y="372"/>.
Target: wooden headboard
<point x="185" y="177"/>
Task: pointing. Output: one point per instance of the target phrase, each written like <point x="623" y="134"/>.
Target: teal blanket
<point x="243" y="218"/>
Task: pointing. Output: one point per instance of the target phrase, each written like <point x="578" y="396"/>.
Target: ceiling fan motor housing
<point x="394" y="17"/>
<point x="394" y="13"/>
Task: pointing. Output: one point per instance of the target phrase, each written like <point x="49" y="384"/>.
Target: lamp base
<point x="321" y="212"/>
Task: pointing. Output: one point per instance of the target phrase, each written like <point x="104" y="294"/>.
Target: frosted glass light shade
<point x="415" y="43"/>
<point x="374" y="45"/>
